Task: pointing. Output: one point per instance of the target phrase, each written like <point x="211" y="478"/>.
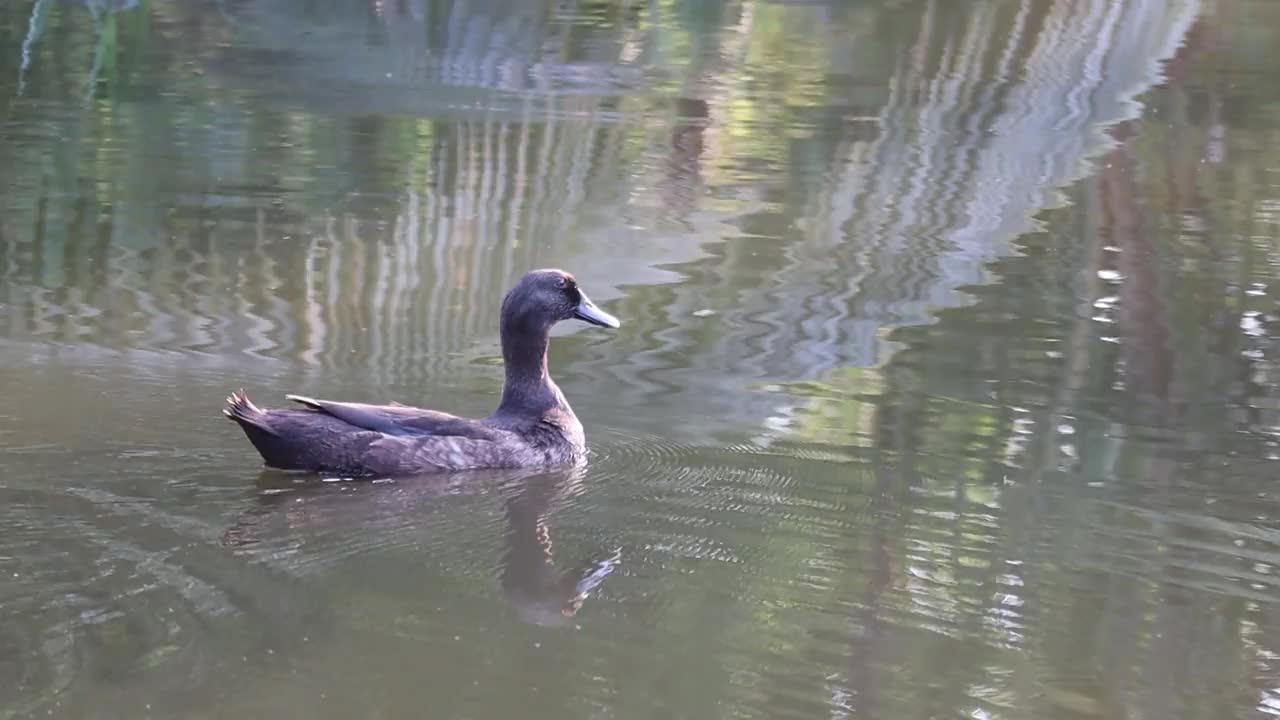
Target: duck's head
<point x="543" y="298"/>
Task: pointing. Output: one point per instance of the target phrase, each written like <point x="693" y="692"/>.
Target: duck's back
<point x="354" y="439"/>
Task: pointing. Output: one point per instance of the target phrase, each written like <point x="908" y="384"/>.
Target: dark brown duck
<point x="533" y="425"/>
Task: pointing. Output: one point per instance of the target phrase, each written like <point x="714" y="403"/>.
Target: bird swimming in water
<point x="533" y="424"/>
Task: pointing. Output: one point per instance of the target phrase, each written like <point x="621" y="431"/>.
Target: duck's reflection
<point x="539" y="592"/>
<point x="302" y="521"/>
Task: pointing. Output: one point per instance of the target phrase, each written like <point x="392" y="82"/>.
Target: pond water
<point x="947" y="384"/>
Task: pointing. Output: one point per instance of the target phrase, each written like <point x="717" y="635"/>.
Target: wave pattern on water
<point x="1014" y="515"/>
<point x="405" y="273"/>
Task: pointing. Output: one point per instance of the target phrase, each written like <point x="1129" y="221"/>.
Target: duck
<point x="533" y="425"/>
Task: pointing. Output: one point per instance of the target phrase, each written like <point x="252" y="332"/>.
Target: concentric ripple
<point x="115" y="593"/>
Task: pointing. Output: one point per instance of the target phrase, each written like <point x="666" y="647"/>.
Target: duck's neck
<point x="528" y="388"/>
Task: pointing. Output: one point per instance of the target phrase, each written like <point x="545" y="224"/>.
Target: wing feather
<point x="400" y="420"/>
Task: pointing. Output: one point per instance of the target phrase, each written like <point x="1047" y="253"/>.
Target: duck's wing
<point x="397" y="419"/>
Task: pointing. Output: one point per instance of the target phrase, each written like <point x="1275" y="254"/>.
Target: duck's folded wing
<point x="399" y="419"/>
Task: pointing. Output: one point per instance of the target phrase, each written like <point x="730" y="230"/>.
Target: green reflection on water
<point x="873" y="441"/>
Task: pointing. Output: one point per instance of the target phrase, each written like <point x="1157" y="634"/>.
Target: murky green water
<point x="947" y="384"/>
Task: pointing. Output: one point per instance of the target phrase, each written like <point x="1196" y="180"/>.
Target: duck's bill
<point x="588" y="312"/>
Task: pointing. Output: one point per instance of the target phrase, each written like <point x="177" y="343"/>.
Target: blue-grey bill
<point x="588" y="312"/>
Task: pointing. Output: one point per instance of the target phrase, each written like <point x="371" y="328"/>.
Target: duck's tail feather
<point x="285" y="438"/>
<point x="276" y="449"/>
<point x="241" y="409"/>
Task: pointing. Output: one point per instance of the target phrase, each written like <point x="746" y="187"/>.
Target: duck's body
<point x="354" y="439"/>
<point x="532" y="426"/>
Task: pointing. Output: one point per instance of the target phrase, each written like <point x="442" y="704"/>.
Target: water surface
<point x="946" y="386"/>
